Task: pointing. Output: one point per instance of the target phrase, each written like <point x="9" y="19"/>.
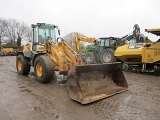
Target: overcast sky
<point x="94" y="18"/>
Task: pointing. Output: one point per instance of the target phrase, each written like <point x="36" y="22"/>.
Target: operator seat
<point x="40" y="39"/>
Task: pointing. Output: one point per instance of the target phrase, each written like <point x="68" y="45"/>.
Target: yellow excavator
<point x="48" y="53"/>
<point x="81" y="49"/>
<point x="78" y="39"/>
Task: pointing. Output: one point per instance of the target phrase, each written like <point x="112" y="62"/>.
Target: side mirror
<point x="59" y="32"/>
<point x="33" y="26"/>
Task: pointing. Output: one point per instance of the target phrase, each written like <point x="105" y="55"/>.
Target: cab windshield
<point x="132" y="41"/>
<point x="46" y="32"/>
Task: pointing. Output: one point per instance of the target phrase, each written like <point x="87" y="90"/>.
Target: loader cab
<point x="40" y="33"/>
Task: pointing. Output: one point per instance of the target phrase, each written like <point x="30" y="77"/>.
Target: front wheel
<point x="22" y="65"/>
<point x="43" y="69"/>
<point x="89" y="57"/>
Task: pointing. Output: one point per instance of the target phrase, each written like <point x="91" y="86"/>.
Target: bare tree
<point x="70" y="38"/>
<point x="2" y="30"/>
<point x="11" y="30"/>
<point x="14" y="29"/>
<point x="23" y="30"/>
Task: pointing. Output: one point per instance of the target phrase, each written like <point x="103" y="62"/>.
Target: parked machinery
<point x="151" y="54"/>
<point x="84" y="83"/>
<point x="102" y="51"/>
<point x="128" y="50"/>
<point x="140" y="54"/>
<point x="7" y="52"/>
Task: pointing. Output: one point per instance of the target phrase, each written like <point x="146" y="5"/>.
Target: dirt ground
<point x="23" y="98"/>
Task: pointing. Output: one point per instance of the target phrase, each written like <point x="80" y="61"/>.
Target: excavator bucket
<point x="89" y="83"/>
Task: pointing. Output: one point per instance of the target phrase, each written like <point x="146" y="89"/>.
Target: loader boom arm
<point x="62" y="54"/>
<point x="70" y="52"/>
<point x="57" y="55"/>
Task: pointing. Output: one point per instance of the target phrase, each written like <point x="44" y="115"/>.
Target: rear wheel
<point x="107" y="56"/>
<point x="22" y="65"/>
<point x="89" y="58"/>
<point x="43" y="69"/>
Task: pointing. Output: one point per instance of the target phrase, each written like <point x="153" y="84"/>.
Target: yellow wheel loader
<point x="84" y="83"/>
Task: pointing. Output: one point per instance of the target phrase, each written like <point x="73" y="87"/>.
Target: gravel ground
<point x="23" y="98"/>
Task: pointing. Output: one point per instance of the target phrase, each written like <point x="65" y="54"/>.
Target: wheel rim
<point x="88" y="58"/>
<point x="19" y="64"/>
<point x="107" y="57"/>
<point x="125" y="67"/>
<point x="39" y="70"/>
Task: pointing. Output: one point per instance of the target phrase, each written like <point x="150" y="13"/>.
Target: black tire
<point x="157" y="73"/>
<point x="22" y="65"/>
<point x="47" y="70"/>
<point x="125" y="67"/>
<point x="107" y="56"/>
<point x="89" y="58"/>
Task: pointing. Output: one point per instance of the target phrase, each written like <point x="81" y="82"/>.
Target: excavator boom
<point x="78" y="39"/>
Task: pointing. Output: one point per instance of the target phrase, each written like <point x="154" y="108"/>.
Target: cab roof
<point x="112" y="38"/>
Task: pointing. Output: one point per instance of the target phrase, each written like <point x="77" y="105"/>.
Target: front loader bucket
<point x="89" y="83"/>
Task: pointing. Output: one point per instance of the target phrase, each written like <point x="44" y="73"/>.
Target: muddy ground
<point x="23" y="98"/>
